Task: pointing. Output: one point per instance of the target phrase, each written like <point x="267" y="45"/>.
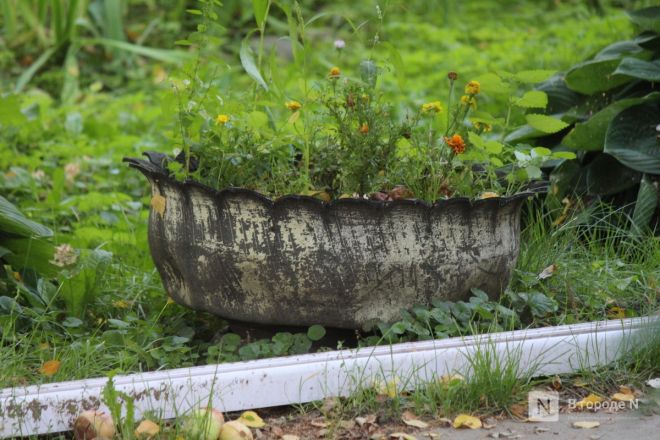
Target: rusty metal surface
<point x="298" y="260"/>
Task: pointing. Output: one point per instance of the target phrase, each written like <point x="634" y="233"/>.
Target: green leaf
<point x="635" y="68"/>
<point x="533" y="76"/>
<point x="618" y="50"/>
<point x="10" y="111"/>
<point x="397" y="62"/>
<point x="27" y="75"/>
<point x="648" y="19"/>
<point x="316" y="332"/>
<point x="165" y="55"/>
<point x="494" y="147"/>
<point x="248" y="63"/>
<point x="560" y="97"/>
<point x="590" y="135"/>
<point x="493" y="84"/>
<point x="545" y="124"/>
<point x="260" y="9"/>
<point x="632" y="137"/>
<point x="646" y="204"/>
<point x="13" y="222"/>
<point x="606" y="176"/>
<point x="594" y="76"/>
<point x="533" y="99"/>
<point x="31" y="253"/>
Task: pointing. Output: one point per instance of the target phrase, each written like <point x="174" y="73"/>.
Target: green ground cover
<point x="64" y="132"/>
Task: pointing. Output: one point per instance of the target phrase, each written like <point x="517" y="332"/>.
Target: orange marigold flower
<point x="456" y="143"/>
<point x="335" y="72"/>
<point x="222" y="119"/>
<point x="473" y="88"/>
<point x="364" y="128"/>
<point x="293" y="105"/>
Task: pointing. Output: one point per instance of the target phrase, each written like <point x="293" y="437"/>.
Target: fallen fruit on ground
<point x="588" y="401"/>
<point x="146" y="430"/>
<point x="94" y="425"/>
<point x="467" y="421"/>
<point x="203" y="424"/>
<point x="235" y="430"/>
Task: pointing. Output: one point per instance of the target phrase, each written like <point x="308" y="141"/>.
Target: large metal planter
<point x="297" y="260"/>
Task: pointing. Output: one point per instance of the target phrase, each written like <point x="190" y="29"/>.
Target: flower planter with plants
<point x="341" y="213"/>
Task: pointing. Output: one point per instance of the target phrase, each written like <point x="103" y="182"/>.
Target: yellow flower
<point x="364" y="128"/>
<point x="433" y="107"/>
<point x="483" y="126"/>
<point x="335" y="72"/>
<point x="293" y="105"/>
<point x="222" y="119"/>
<point x="469" y="100"/>
<point x="473" y="88"/>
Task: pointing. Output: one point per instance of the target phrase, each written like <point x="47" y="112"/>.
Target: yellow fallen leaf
<point x="147" y="429"/>
<point x="411" y="419"/>
<point x="251" y="419"/>
<point x="586" y="425"/>
<point x="588" y="401"/>
<point x="621" y="397"/>
<point x="49" y="368"/>
<point x="158" y="203"/>
<point x="467" y="421"/>
<point x="389" y="388"/>
<point x="625" y="389"/>
<point x="548" y="272"/>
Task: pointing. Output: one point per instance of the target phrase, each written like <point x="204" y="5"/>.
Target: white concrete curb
<point x="41" y="409"/>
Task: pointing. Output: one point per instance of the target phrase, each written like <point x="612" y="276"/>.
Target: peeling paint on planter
<point x="49" y="408"/>
<point x="301" y="261"/>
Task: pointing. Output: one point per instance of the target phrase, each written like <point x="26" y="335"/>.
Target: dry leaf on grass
<point x="586" y="424"/>
<point x="621" y="397"/>
<point x="518" y="411"/>
<point x="251" y="419"/>
<point x="319" y="423"/>
<point x="49" y="368"/>
<point x="411" y="419"/>
<point x="290" y="437"/>
<point x="467" y="421"/>
<point x="444" y="422"/>
<point x="548" y="272"/>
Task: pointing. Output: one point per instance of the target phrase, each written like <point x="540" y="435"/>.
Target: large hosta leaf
<point x="590" y="135"/>
<point x="648" y="19"/>
<point x="607" y="176"/>
<point x="560" y="97"/>
<point x="595" y="76"/>
<point x="14" y="223"/>
<point x="647" y="202"/>
<point x="634" y="68"/>
<point x="632" y="137"/>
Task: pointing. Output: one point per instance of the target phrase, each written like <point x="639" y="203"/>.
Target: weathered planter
<point x="297" y="260"/>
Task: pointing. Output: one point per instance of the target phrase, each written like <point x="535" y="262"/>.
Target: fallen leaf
<point x="432" y="434"/>
<point x="547" y="272"/>
<point x="621" y="397"/>
<point x="389" y="388"/>
<point x="588" y="401"/>
<point x="49" y="368"/>
<point x="489" y="423"/>
<point x="290" y="437"/>
<point x="368" y="420"/>
<point x="147" y="430"/>
<point x="416" y="423"/>
<point x="402" y="436"/>
<point x="276" y="431"/>
<point x="330" y="404"/>
<point x="347" y="424"/>
<point x="444" y="422"/>
<point x="654" y="383"/>
<point x="158" y="203"/>
<point x="488" y="195"/>
<point x="625" y="389"/>
<point x="319" y="424"/>
<point x="539" y="430"/>
<point x="518" y="411"/>
<point x="556" y="383"/>
<point x="580" y="383"/>
<point x="251" y="419"/>
<point x="586" y="425"/>
<point x="467" y="421"/>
